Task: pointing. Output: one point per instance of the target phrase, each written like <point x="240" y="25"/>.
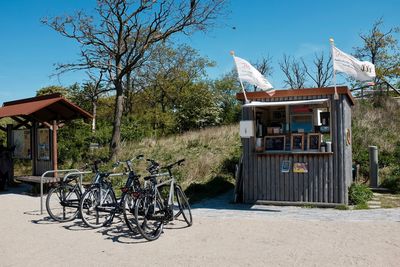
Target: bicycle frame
<point x="129" y="182"/>
<point x="170" y="181"/>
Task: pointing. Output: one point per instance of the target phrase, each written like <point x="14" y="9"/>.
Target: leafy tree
<point x="88" y="95"/>
<point x="381" y="48"/>
<point x="52" y="89"/>
<point x="226" y="88"/>
<point x="197" y="108"/>
<point x="118" y="40"/>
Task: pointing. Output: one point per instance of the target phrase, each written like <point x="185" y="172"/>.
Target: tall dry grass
<point x="206" y="152"/>
<point x="376" y="123"/>
<point x="379" y="125"/>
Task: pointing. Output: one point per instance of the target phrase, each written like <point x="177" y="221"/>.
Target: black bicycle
<point x="157" y="203"/>
<point x="62" y="202"/>
<point x="99" y="203"/>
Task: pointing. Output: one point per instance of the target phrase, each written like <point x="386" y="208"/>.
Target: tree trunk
<point x="94" y="116"/>
<point x="116" y="134"/>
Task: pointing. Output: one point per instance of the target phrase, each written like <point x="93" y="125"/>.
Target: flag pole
<point x="241" y="83"/>
<point x="336" y="96"/>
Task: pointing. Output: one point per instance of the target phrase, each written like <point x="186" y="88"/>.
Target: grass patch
<point x="309" y="206"/>
<point x="361" y="206"/>
<point x="342" y="207"/>
<point x="389" y="201"/>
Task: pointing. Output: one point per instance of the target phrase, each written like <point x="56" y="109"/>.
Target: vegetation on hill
<point x="210" y="154"/>
<point x="377" y="122"/>
<point x="210" y="158"/>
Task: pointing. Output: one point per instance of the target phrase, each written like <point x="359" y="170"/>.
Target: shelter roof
<point x="304" y="92"/>
<point x="44" y="109"/>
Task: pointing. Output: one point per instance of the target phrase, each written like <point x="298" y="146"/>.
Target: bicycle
<point x="99" y="203"/>
<point x="132" y="194"/>
<point x="62" y="202"/>
<point x="152" y="210"/>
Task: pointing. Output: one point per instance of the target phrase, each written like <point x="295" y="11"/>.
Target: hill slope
<point x="211" y="155"/>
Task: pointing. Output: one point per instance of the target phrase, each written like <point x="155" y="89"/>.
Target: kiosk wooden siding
<point x="329" y="173"/>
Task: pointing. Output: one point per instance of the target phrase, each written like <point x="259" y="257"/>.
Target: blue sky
<point x="29" y="49"/>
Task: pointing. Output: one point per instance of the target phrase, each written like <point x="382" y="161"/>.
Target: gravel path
<point x="222" y="235"/>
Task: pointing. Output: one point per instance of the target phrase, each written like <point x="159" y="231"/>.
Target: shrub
<point x="392" y="181"/>
<point x="359" y="194"/>
<point x="342" y="207"/>
<point x="361" y="206"/>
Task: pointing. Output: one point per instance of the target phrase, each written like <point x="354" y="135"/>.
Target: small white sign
<point x="246" y="129"/>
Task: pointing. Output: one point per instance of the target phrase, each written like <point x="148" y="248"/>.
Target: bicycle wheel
<point x="62" y="203"/>
<point x="97" y="207"/>
<point x="184" y="205"/>
<point x="129" y="213"/>
<point x="149" y="218"/>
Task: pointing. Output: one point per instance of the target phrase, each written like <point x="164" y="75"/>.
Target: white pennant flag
<point x="251" y="75"/>
<point x="359" y="70"/>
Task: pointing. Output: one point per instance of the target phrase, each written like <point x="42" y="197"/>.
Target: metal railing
<point x="70" y="172"/>
<point x="44" y="176"/>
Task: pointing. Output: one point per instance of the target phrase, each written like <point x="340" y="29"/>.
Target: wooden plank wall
<point x="328" y="174"/>
<point x="268" y="183"/>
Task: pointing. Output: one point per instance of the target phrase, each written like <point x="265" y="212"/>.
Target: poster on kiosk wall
<point x="246" y="129"/>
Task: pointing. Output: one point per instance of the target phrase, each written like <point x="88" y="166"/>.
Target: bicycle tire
<point x="129" y="213"/>
<point x="148" y="226"/>
<point x="62" y="203"/>
<point x="92" y="214"/>
<point x="184" y="205"/>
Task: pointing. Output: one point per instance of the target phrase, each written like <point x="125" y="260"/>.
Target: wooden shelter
<point x="296" y="147"/>
<point x="34" y="134"/>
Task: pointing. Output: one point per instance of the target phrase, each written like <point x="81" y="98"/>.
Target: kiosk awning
<point x="286" y="103"/>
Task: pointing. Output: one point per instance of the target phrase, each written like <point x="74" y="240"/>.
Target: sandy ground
<point x="271" y="236"/>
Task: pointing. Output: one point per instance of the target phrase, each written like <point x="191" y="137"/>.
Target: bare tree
<point x="92" y="91"/>
<point x="294" y="72"/>
<point x="119" y="38"/>
<point x="264" y="66"/>
<point x="322" y="72"/>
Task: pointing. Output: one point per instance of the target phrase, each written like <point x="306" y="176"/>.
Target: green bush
<point x="361" y="206"/>
<point x="342" y="207"/>
<point x="359" y="194"/>
<point x="392" y="182"/>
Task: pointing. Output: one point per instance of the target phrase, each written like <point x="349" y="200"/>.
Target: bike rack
<point x="80" y="173"/>
<point x="69" y="172"/>
<point x="76" y="171"/>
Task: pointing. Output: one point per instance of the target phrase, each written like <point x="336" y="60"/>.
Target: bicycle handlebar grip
<point x="179" y="162"/>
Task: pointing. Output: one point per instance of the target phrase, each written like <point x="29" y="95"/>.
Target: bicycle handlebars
<point x="179" y="162"/>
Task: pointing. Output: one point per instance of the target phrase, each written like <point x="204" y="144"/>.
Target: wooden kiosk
<point x="296" y="147"/>
<point x="33" y="136"/>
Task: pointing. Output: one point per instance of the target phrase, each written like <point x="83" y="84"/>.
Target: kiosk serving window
<point x="289" y="127"/>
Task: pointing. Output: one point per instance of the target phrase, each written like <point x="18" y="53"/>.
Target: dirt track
<point x="221" y="236"/>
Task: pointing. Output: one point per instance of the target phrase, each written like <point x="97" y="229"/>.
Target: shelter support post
<point x="55" y="148"/>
